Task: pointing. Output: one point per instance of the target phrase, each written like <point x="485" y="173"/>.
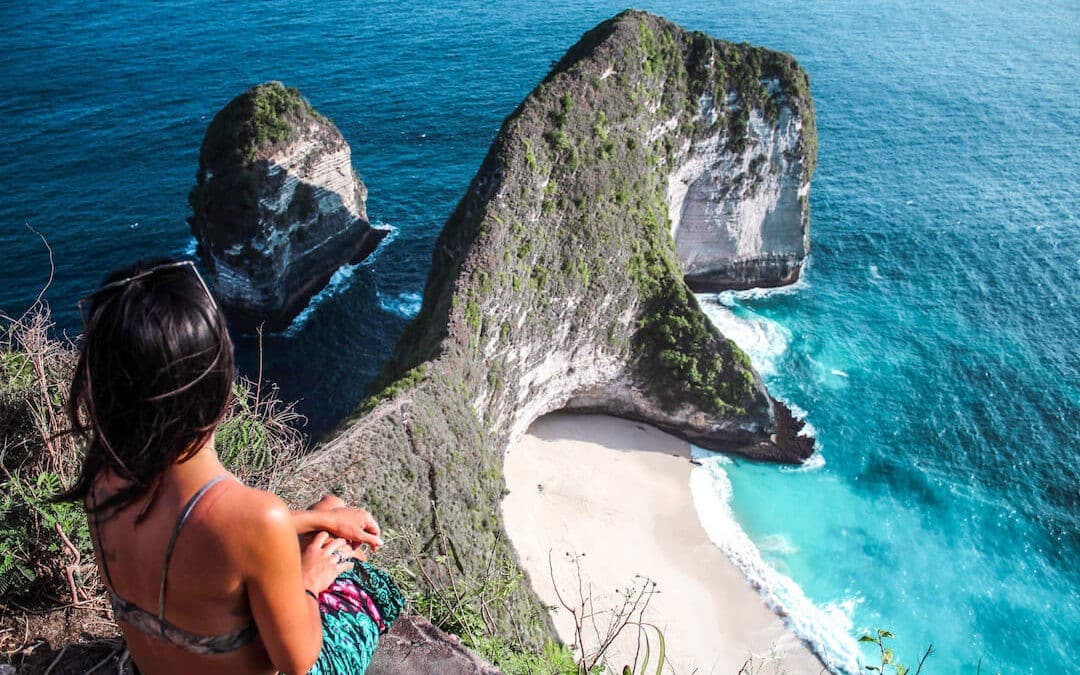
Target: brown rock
<point x="415" y="647"/>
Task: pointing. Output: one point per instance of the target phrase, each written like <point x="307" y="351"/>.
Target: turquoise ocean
<point x="932" y="345"/>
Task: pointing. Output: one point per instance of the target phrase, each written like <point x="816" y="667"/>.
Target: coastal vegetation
<point x="264" y="115"/>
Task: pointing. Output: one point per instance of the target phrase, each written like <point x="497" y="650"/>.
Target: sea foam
<point x="764" y="341"/>
<point x="384" y="244"/>
<point x="406" y="305"/>
<point x="826" y="628"/>
<point x="339" y="282"/>
<point x="757" y="293"/>
<point x="191" y="248"/>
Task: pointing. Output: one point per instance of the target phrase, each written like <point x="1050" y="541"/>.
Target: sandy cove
<point x="615" y="495"/>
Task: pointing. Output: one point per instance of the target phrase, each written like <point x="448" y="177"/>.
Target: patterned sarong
<point x="358" y="607"/>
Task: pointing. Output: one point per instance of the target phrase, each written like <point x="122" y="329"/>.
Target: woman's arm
<point x="278" y="577"/>
<point x="308" y="521"/>
<point x="331" y="515"/>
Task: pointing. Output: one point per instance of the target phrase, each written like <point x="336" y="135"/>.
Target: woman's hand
<point x="322" y="560"/>
<point x="357" y="527"/>
<point x="330" y="514"/>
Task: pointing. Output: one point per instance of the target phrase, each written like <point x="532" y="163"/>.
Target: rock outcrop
<point x="277" y="207"/>
<point x="415" y="647"/>
<point x="556" y="284"/>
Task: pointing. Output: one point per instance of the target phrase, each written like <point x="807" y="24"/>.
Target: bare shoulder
<point x="257" y="505"/>
<point x="255" y="520"/>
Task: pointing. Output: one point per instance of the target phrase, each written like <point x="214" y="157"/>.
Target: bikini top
<point x="157" y="625"/>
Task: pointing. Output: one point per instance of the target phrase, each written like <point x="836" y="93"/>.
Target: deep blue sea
<point x="933" y="345"/>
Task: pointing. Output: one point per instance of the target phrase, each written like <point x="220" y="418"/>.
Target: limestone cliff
<point x="556" y="284"/>
<point x="277" y="207"/>
<point x="738" y="189"/>
<point x="738" y="204"/>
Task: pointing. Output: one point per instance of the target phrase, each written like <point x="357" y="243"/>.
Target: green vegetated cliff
<point x="265" y="117"/>
<point x="555" y="284"/>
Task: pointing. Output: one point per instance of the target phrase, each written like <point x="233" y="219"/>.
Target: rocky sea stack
<point x="277" y="207"/>
<point x="557" y="284"/>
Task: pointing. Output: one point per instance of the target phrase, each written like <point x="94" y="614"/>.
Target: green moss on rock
<point x="262" y="116"/>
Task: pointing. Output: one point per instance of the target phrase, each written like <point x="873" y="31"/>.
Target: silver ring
<point x="340" y="557"/>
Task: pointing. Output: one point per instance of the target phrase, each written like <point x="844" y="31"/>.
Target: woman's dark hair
<point x="153" y="379"/>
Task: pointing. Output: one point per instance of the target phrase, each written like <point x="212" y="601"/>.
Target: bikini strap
<point x="188" y="508"/>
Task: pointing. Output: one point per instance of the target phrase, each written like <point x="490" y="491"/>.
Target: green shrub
<point x="685" y="355"/>
<point x="472" y="315"/>
<point x="530" y="157"/>
<point x="558" y="139"/>
<point x="459" y="603"/>
<point x="258" y="440"/>
<point x="390" y="390"/>
<point x="36" y="460"/>
<point x="30" y="532"/>
<point x="600" y="126"/>
<point x="265" y="114"/>
<point x="887" y="662"/>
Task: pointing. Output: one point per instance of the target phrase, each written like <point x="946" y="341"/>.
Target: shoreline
<point x="599" y="504"/>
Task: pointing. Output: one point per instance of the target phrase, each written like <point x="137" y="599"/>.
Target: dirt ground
<point x="61" y="640"/>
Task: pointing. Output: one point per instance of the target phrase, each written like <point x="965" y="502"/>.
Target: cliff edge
<point x="277" y="207"/>
<point x="557" y="284"/>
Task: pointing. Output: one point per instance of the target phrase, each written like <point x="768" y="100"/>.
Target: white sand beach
<point x="615" y="494"/>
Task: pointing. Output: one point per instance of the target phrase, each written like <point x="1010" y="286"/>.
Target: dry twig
<point x="586" y="616"/>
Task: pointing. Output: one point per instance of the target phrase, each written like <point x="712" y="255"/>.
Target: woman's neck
<point x="199" y="467"/>
<point x="179" y="480"/>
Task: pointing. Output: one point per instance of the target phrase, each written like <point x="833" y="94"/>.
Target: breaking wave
<point x="340" y="281"/>
<point x="826" y="628"/>
<point x="406" y="305"/>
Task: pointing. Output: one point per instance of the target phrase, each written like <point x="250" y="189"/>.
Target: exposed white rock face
<point x="740" y="219"/>
<point x="274" y="229"/>
<point x="310" y="199"/>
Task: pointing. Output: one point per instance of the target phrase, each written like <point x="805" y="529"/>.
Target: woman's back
<point x="205" y="594"/>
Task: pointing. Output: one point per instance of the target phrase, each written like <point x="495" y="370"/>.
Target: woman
<point x="205" y="575"/>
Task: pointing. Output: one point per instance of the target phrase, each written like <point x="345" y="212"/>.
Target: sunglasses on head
<point x="142" y="275"/>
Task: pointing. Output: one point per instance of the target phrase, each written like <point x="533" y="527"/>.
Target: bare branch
<point x="52" y="267"/>
<point x="929" y="651"/>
